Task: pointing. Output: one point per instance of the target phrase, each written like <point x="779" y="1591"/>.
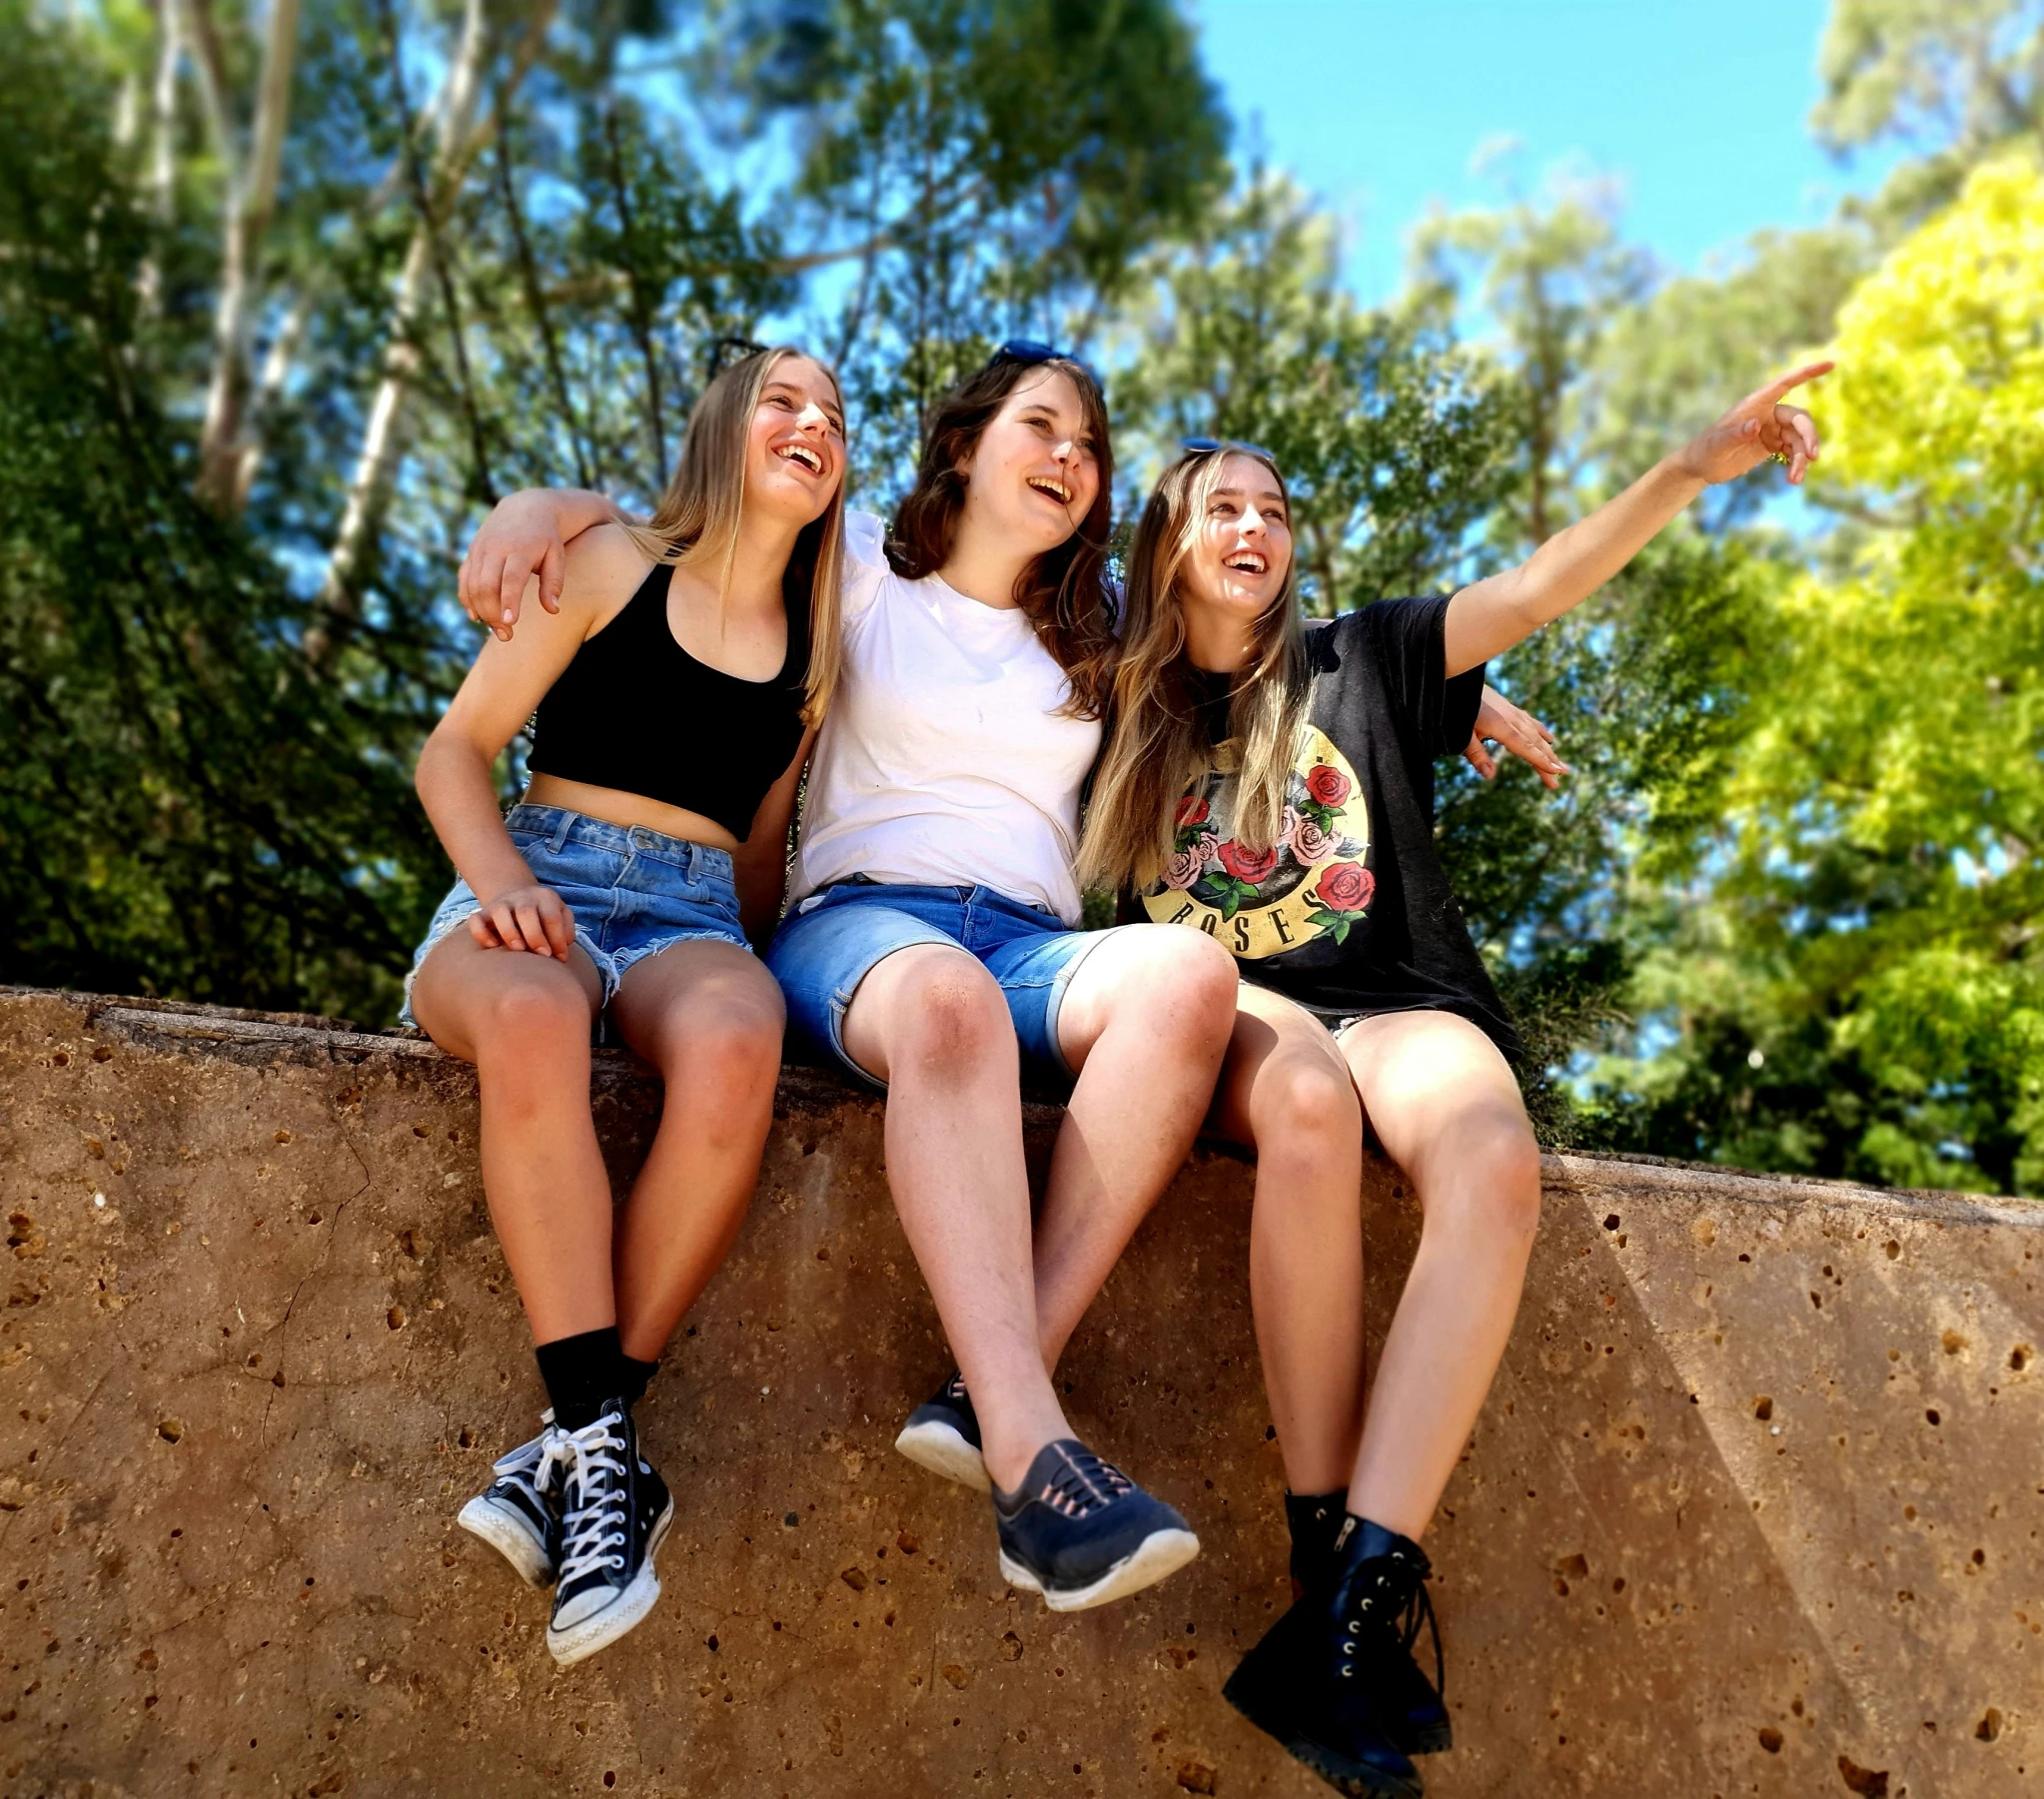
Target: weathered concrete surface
<point x="1754" y="1508"/>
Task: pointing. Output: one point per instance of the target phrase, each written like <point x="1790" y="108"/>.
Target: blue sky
<point x="1382" y="107"/>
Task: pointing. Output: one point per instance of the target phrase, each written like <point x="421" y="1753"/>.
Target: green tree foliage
<point x="1392" y="441"/>
<point x="291" y="294"/>
<point x="1860" y="992"/>
<point x="189" y="810"/>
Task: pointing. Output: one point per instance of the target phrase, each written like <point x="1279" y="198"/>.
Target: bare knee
<point x="1305" y="1110"/>
<point x="724" y="1059"/>
<point x="1182" y="981"/>
<point x="956" y="1022"/>
<point x="1486" y="1177"/>
<point x="535" y="1011"/>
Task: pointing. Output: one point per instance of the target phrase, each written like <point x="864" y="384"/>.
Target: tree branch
<point x="251" y="198"/>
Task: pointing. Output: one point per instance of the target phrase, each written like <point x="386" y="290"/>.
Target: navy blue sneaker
<point x="1331" y="1679"/>
<point x="615" y="1513"/>
<point x="518" y="1513"/>
<point x="1082" y="1533"/>
<point x="942" y="1435"/>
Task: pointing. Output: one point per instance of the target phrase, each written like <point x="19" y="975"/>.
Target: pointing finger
<point x="1794" y="379"/>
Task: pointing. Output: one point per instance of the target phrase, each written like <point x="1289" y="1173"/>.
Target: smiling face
<point x="1035" y="472"/>
<point x="1239" y="553"/>
<point x="795" y="449"/>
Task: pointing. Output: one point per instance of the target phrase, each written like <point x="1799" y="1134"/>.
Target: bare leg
<point x="523" y="1020"/>
<point x="932" y="1022"/>
<point x="1145" y="1021"/>
<point x="1286" y="1089"/>
<point x="1448" y="1111"/>
<point x="708" y="1016"/>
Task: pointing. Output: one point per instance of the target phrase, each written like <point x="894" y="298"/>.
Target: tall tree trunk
<point x="382" y="442"/>
<point x="251" y="198"/>
<point x="163" y="109"/>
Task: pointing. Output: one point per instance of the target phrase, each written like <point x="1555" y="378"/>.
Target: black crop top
<point x="637" y="713"/>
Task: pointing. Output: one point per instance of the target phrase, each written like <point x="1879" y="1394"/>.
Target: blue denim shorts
<point x="830" y="942"/>
<point x="633" y="891"/>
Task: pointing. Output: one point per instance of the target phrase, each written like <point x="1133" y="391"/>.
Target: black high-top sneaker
<point x="942" y="1435"/>
<point x="1081" y="1533"/>
<point x="615" y="1513"/>
<point x="518" y="1513"/>
<point x="1328" y="1679"/>
<point x="1418" y="1719"/>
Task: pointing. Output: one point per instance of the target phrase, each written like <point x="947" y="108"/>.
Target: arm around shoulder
<point x="759" y="865"/>
<point x="523" y="539"/>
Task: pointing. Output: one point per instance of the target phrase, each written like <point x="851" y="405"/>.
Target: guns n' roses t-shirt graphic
<point x="1314" y="880"/>
<point x="1348" y="912"/>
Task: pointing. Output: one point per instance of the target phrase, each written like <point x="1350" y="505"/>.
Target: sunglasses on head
<point x="727" y="351"/>
<point x="1203" y="446"/>
<point x="1030" y="350"/>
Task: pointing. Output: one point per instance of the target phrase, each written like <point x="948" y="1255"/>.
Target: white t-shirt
<point x="943" y="760"/>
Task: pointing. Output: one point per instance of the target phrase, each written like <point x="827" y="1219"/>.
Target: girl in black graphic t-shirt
<point x="1271" y="783"/>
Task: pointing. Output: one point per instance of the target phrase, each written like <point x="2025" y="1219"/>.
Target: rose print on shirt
<point x="1344" y="891"/>
<point x="1312" y="882"/>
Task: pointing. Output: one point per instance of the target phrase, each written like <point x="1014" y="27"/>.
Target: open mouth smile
<point x="1246" y="562"/>
<point x="800" y="452"/>
<point x="1057" y="490"/>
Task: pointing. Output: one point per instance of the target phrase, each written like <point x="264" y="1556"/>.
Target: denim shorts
<point x="830" y="942"/>
<point x="633" y="891"/>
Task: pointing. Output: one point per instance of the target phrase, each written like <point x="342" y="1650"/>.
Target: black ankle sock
<point x="580" y="1372"/>
<point x="639" y="1375"/>
<point x="1315" y="1520"/>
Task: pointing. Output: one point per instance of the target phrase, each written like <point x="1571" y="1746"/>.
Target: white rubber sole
<point x="509" y="1538"/>
<point x="1161" y="1553"/>
<point x="942" y="1450"/>
<point x="621" y="1614"/>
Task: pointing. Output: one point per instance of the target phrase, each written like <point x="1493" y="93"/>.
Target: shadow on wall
<point x="1753" y="1508"/>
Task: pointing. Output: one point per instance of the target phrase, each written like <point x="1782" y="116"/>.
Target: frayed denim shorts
<point x="633" y="891"/>
<point x="831" y="941"/>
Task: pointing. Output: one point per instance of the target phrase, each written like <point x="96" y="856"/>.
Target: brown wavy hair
<point x="1157" y="740"/>
<point x="697" y="518"/>
<point x="1064" y="593"/>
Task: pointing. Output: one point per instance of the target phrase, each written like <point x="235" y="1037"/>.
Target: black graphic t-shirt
<point x="1348" y="913"/>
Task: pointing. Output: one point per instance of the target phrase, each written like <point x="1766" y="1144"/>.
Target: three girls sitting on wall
<point x="929" y="947"/>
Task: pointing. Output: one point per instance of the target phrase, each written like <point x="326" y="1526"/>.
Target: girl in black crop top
<point x="676" y="687"/>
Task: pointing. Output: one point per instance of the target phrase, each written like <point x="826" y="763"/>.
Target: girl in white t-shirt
<point x="931" y="944"/>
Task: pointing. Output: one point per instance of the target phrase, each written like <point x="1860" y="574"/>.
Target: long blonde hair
<point x="698" y="515"/>
<point x="1158" y="744"/>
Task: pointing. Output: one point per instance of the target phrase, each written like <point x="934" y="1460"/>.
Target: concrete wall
<point x="1754" y="1508"/>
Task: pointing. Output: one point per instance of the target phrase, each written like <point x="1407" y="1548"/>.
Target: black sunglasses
<point x="1203" y="445"/>
<point x="1030" y="350"/>
<point x="726" y="350"/>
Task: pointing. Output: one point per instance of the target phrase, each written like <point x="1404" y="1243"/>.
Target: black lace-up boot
<point x="1420" y="1721"/>
<point x="1334" y="1678"/>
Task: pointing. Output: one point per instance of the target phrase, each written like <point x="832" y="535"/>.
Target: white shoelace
<point x="595" y="1527"/>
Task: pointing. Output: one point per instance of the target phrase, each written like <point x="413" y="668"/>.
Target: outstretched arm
<point x="1490" y="615"/>
<point x="527" y="535"/>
